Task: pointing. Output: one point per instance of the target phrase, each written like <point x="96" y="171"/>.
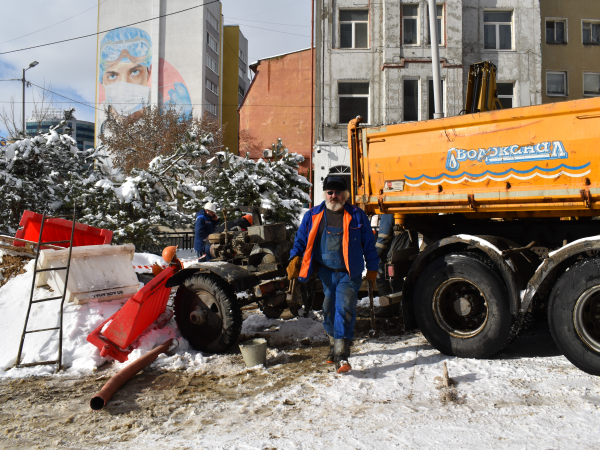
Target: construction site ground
<point x="528" y="397"/>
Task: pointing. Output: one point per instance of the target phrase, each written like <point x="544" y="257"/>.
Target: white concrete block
<point x="98" y="272"/>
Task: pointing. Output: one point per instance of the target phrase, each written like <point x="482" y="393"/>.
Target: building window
<point x="590" y="32"/>
<point x="506" y="94"/>
<point x="241" y="92"/>
<point x="411" y="100"/>
<point x="211" y="108"/>
<point x="591" y="84"/>
<point x="410" y="24"/>
<point x="212" y="20"/>
<point x="242" y="73"/>
<point x="497" y="30"/>
<point x="353" y="101"/>
<point x="354" y="28"/>
<point x="212" y="87"/>
<point x="556" y="83"/>
<point x="212" y="65"/>
<point x="242" y="56"/>
<point x="440" y="17"/>
<point x="556" y="31"/>
<point x="212" y="43"/>
<point x="431" y="98"/>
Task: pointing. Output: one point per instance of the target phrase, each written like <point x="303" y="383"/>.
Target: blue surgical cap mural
<point x="125" y="69"/>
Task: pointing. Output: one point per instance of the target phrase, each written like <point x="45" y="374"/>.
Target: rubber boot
<point x="341" y="348"/>
<point x="331" y="356"/>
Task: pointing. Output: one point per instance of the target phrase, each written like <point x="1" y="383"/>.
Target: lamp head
<point x="33" y="64"/>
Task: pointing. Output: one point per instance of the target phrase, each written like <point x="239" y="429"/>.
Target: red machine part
<point x="136" y="315"/>
<point x="59" y="230"/>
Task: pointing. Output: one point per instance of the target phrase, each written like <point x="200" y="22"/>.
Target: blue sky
<point x="70" y="67"/>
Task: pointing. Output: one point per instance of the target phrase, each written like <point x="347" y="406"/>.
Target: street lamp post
<point x="33" y="64"/>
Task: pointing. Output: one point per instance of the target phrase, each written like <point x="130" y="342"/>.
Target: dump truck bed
<point x="538" y="161"/>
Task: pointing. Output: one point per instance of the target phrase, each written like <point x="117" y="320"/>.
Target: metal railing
<point x="184" y="240"/>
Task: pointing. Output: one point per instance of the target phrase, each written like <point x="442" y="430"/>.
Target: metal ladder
<point x="61" y="297"/>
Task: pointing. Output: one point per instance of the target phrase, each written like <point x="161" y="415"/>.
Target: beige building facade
<point x="570" y="49"/>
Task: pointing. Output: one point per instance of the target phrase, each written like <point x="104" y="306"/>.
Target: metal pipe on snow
<point x="435" y="60"/>
<point x="100" y="400"/>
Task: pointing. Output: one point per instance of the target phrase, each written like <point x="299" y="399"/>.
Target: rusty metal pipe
<point x="100" y="400"/>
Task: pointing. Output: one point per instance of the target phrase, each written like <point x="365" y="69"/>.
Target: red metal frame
<point x="59" y="230"/>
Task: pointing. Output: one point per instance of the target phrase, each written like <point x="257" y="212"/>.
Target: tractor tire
<point x="460" y="305"/>
<point x="207" y="313"/>
<point x="574" y="315"/>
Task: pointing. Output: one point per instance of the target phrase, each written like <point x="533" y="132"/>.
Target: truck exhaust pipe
<point x="100" y="400"/>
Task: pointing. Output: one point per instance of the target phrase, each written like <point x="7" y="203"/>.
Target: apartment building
<point x="374" y="60"/>
<point x="172" y="61"/>
<point x="570" y="50"/>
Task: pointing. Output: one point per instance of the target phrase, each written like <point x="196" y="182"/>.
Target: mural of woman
<point x="125" y="68"/>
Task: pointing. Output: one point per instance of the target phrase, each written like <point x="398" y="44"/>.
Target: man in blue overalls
<point x="206" y="221"/>
<point x="335" y="239"/>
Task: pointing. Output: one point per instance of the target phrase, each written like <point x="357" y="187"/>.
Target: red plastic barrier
<point x="127" y="324"/>
<point x="59" y="230"/>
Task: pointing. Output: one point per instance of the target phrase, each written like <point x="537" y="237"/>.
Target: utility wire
<point x="106" y="31"/>
<point x="270" y="23"/>
<point x="50" y="26"/>
<point x="63" y="96"/>
<point x="266" y="29"/>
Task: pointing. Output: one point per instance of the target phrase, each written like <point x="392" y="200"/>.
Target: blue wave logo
<point x="498" y="174"/>
<point x="542" y="151"/>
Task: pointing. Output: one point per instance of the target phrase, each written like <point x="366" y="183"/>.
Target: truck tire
<point x="460" y="304"/>
<point x="207" y="313"/>
<point x="574" y="315"/>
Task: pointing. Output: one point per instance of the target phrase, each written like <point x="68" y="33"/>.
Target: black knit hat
<point x="335" y="183"/>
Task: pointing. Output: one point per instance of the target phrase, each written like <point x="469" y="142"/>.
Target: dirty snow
<point x="82" y="358"/>
<point x="529" y="397"/>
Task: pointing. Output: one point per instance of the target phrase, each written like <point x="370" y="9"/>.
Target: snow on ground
<point x="529" y="397"/>
<point x="82" y="358"/>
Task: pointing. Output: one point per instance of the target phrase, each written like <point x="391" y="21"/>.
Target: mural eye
<point x="135" y="72"/>
<point x="112" y="76"/>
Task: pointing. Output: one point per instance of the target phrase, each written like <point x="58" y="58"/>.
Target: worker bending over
<point x="335" y="239"/>
<point x="206" y="221"/>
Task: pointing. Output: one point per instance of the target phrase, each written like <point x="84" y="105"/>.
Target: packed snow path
<point x="530" y="396"/>
<point x="527" y="398"/>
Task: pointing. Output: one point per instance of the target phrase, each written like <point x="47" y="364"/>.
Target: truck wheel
<point x="574" y="315"/>
<point x="461" y="306"/>
<point x="207" y="313"/>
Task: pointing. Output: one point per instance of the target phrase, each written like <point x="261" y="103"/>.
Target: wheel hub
<point x="463" y="305"/>
<point x="586" y="318"/>
<point x="460" y="308"/>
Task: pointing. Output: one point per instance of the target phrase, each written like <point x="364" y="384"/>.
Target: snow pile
<point x="82" y="358"/>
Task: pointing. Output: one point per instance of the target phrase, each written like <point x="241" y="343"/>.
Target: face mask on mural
<point x="127" y="98"/>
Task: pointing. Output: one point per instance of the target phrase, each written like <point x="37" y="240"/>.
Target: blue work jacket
<point x="358" y="243"/>
<point x="205" y="225"/>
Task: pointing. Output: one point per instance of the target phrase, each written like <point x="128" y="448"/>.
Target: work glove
<point x="371" y="276"/>
<point x="293" y="269"/>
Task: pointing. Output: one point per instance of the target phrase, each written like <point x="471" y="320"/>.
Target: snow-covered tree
<point x="160" y="195"/>
<point x="134" y="143"/>
<point x="273" y="184"/>
<point x="287" y="191"/>
<point x="38" y="173"/>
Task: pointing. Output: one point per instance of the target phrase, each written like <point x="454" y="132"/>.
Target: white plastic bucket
<point x="254" y="352"/>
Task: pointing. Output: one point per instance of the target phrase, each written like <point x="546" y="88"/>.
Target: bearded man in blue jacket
<point x="335" y="239"/>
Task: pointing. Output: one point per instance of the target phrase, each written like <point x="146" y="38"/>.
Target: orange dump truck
<point x="507" y="203"/>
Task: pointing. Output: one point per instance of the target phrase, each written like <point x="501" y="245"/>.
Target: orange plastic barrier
<point x="59" y="230"/>
<point x="127" y="324"/>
